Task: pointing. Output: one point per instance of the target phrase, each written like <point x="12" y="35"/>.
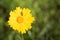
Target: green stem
<point x="22" y="37"/>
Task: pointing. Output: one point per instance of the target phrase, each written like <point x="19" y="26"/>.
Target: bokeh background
<point x="47" y="19"/>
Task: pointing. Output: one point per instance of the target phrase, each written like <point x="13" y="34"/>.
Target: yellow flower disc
<point x="21" y="19"/>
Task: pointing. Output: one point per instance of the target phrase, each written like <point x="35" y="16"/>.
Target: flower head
<point x="21" y="19"/>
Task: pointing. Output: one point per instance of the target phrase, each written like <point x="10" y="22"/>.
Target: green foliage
<point x="47" y="20"/>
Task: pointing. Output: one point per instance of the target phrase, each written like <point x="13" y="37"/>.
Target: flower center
<point x="20" y="19"/>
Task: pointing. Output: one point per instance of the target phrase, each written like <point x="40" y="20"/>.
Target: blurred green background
<point x="47" y="19"/>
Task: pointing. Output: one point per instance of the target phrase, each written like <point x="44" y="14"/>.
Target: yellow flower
<point x="21" y="19"/>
